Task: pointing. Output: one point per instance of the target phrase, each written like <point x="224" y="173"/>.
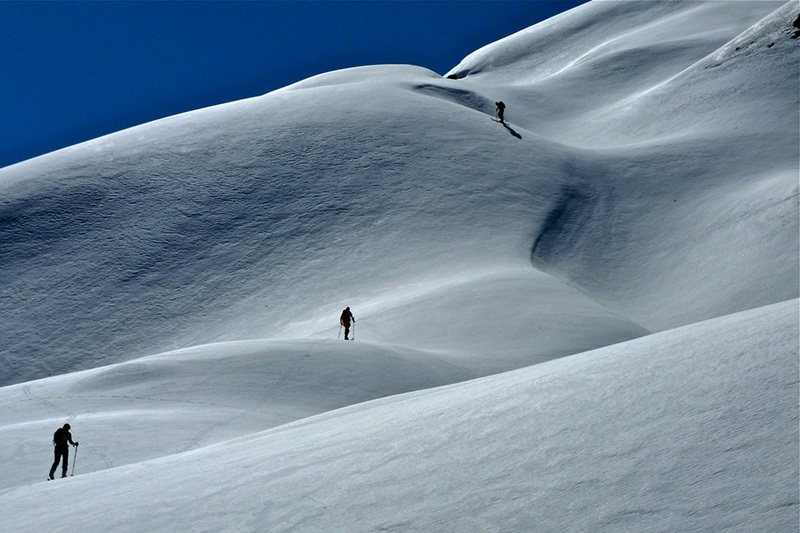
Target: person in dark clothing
<point x="345" y="320"/>
<point x="501" y="109"/>
<point x="61" y="440"/>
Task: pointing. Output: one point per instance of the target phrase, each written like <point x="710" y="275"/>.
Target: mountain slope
<point x="688" y="430"/>
<point x="255" y="218"/>
<point x="585" y="319"/>
<point x="692" y="193"/>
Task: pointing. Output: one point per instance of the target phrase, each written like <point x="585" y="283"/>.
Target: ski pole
<point x="74" y="460"/>
<point x="354" y="329"/>
<point x="339" y="336"/>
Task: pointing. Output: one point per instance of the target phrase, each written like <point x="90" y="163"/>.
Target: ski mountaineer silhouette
<point x="501" y="109"/>
<point x="345" y="319"/>
<point x="61" y="440"/>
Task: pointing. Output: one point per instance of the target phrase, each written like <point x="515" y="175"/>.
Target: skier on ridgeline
<point x="345" y="320"/>
<point x="61" y="440"/>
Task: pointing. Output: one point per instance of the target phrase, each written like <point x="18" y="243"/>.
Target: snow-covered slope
<point x="693" y="132"/>
<point x="177" y="286"/>
<point x="187" y="399"/>
<point x="241" y="220"/>
<point x="671" y="432"/>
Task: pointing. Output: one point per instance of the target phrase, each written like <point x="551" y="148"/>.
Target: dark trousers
<point x="61" y="455"/>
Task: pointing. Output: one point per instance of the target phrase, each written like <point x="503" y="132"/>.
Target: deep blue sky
<point x="73" y="71"/>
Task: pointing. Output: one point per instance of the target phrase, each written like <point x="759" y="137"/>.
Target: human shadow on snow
<point x="511" y="130"/>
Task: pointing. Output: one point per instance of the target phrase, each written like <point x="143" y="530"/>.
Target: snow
<point x="691" y="429"/>
<point x="586" y="320"/>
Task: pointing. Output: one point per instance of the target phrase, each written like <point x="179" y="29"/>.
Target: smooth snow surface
<point x="585" y="319"/>
<point x="688" y="430"/>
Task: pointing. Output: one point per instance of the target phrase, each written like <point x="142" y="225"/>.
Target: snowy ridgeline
<point x="638" y="213"/>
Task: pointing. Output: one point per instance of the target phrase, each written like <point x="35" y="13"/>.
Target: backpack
<point x="59" y="436"/>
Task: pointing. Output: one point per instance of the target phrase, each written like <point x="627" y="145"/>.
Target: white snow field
<point x="583" y="320"/>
